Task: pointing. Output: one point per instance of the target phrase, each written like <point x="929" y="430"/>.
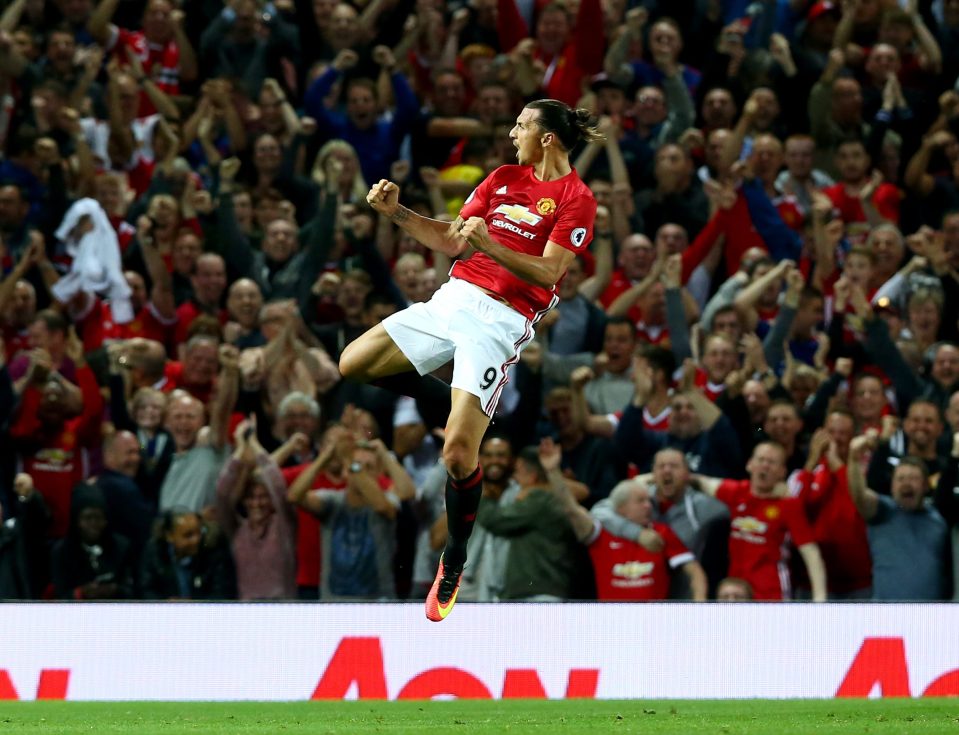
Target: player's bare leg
<point x="464" y="486"/>
<point x="374" y="358"/>
<point x="372" y="355"/>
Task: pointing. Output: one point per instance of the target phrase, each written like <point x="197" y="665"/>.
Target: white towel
<point x="96" y="264"/>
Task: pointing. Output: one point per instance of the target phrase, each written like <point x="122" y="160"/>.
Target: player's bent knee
<point x="371" y="356"/>
<point x="351" y="364"/>
<point x="459" y="458"/>
<point x="346" y="364"/>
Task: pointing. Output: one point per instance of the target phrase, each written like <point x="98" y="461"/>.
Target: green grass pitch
<point x="899" y="716"/>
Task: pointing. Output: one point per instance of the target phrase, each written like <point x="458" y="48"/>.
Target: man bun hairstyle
<point x="569" y="125"/>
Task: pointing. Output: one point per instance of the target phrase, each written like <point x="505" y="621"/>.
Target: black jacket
<point x="23" y="549"/>
<point x="211" y="573"/>
<point x="129" y="511"/>
<point x="107" y="560"/>
<point x="887" y="456"/>
<point x="73" y="567"/>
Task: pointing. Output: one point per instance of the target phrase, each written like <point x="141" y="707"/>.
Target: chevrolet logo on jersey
<point x="748" y="524"/>
<point x="518" y="214"/>
<point x="633" y="569"/>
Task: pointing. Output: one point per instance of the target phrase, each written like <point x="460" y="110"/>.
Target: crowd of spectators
<point x="749" y="388"/>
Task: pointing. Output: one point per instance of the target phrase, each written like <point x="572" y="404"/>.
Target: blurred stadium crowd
<point x="749" y="389"/>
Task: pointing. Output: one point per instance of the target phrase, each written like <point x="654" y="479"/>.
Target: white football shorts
<point x="481" y="335"/>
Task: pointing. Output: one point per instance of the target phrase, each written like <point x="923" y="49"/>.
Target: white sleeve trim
<point x="112" y="38"/>
<point x="594" y="534"/>
<point x="681" y="559"/>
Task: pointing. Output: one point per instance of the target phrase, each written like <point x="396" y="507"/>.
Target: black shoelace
<point x="448" y="584"/>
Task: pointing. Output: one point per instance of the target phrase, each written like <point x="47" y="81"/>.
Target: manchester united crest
<point x="545" y="206"/>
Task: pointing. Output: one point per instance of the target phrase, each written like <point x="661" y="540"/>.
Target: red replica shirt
<point x="837" y="528"/>
<point x="711" y="390"/>
<point x="147" y="323"/>
<point x="652" y="334"/>
<point x="56" y="457"/>
<point x="790" y="211"/>
<point x="173" y="372"/>
<point x="580" y="58"/>
<point x="186" y="313"/>
<point x="626" y="571"/>
<point x="885" y="200"/>
<point x="660" y="422"/>
<point x="125" y="231"/>
<point x="758" y="538"/>
<point x="736" y="224"/>
<point x="97" y="325"/>
<point x="523" y="214"/>
<point x="618" y="285"/>
<point x="161" y="62"/>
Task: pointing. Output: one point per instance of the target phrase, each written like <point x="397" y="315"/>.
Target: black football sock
<point x="462" y="501"/>
<point x="433" y="397"/>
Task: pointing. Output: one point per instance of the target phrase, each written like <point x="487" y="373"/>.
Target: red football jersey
<point x="758" y="538"/>
<point x="790" y="211"/>
<point x="125" y="231"/>
<point x="652" y="334"/>
<point x="173" y="372"/>
<point x="186" y="313"/>
<point x="626" y="571"/>
<point x="56" y="456"/>
<point x="97" y="325"/>
<point x="161" y="62"/>
<point x="148" y="323"/>
<point x="660" y="422"/>
<point x="618" y="285"/>
<point x="885" y="200"/>
<point x="710" y="389"/>
<point x="523" y="214"/>
<point x="838" y="529"/>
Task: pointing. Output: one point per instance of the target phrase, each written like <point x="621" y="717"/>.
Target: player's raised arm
<point x="434" y="234"/>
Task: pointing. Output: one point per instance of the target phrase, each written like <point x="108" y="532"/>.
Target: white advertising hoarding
<point x="389" y="651"/>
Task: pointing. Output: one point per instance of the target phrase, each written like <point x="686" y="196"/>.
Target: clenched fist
<point x="384" y="197"/>
<point x="475" y="232"/>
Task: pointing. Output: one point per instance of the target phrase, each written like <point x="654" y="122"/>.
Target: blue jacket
<point x="377" y="146"/>
<point x="782" y="242"/>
